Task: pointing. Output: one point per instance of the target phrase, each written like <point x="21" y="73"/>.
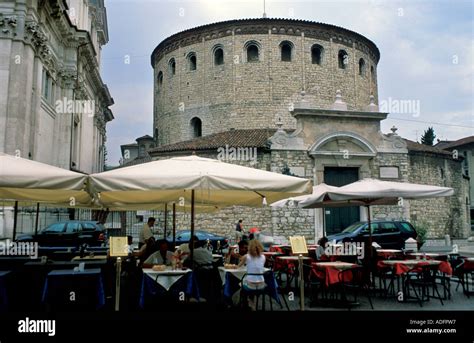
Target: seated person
<point x="162" y="256"/>
<point x="321" y="250"/>
<point x="146" y="249"/>
<point x="255" y="261"/>
<point x="202" y="257"/>
<point x="235" y="258"/>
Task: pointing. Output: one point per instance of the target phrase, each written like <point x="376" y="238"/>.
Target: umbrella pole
<point x="15" y="219"/>
<point x="191" y="241"/>
<point x="324" y="222"/>
<point x="174" y="224"/>
<point x="37" y="217"/>
<point x="370" y="231"/>
<point x="166" y="220"/>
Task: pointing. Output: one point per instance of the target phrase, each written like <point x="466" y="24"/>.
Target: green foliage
<point x="428" y="137"/>
<point x="421" y="228"/>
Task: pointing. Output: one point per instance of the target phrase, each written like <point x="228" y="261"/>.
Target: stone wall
<point x="390" y="212"/>
<point x="244" y="95"/>
<point x="441" y="215"/>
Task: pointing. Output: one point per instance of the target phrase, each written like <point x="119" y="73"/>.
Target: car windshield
<point x="352" y="228"/>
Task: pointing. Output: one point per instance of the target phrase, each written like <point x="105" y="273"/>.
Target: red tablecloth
<point x="330" y="274"/>
<point x="401" y="268"/>
<point x="468" y="265"/>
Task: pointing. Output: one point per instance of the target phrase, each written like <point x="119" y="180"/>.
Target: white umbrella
<point x="215" y="182"/>
<point x="376" y="192"/>
<point x="30" y="181"/>
<point x="194" y="180"/>
<point x="317" y="197"/>
<point x="26" y="180"/>
<point x="371" y="191"/>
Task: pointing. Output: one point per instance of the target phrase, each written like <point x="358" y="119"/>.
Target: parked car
<point x="69" y="234"/>
<point x="388" y="234"/>
<point x="184" y="236"/>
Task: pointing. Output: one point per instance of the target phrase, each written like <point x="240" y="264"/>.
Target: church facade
<point x="54" y="106"/>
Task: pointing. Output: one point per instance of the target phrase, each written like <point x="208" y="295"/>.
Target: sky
<point x="427" y="56"/>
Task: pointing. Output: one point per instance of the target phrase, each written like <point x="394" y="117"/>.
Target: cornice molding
<point x="289" y="27"/>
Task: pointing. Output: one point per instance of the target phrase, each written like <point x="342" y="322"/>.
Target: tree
<point x="428" y="137"/>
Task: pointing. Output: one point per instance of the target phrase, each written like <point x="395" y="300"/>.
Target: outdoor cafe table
<point x="428" y="255"/>
<point x="402" y="266"/>
<point x="271" y="253"/>
<point x="329" y="271"/>
<point x="89" y="258"/>
<point x="155" y="283"/>
<point x="87" y="286"/>
<point x="386" y="253"/>
<point x="293" y="258"/>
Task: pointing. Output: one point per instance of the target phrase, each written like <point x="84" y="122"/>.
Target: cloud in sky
<point x="426" y="55"/>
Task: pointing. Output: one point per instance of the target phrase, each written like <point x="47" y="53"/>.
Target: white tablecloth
<point x="166" y="278"/>
<point x="238" y="273"/>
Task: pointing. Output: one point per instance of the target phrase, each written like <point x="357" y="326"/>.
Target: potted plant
<point x="421" y="233"/>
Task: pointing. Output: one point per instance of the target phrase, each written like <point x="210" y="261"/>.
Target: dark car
<point x="69" y="234"/>
<point x="184" y="236"/>
<point x="388" y="234"/>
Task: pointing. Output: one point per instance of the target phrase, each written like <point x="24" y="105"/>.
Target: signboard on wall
<point x="388" y="172"/>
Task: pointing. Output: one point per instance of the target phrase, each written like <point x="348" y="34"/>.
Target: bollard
<point x="447" y="240"/>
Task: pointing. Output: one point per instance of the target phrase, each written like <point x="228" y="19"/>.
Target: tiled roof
<point x="137" y="160"/>
<point x="254" y="138"/>
<point x="459" y="142"/>
<point x="414" y="146"/>
<point x="144" y="137"/>
<point x="442" y="144"/>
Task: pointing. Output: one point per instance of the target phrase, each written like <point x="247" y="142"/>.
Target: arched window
<point x="192" y="61"/>
<point x="343" y="59"/>
<point x="252" y="53"/>
<point x="317" y="54"/>
<point x="172" y="67"/>
<point x="286" y="49"/>
<point x="160" y="80"/>
<point x="156" y="135"/>
<point x="372" y="73"/>
<point x="218" y="56"/>
<point x="196" y="127"/>
<point x="361" y="67"/>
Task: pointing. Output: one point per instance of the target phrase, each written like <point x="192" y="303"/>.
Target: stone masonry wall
<point x="244" y="95"/>
<point x="441" y="215"/>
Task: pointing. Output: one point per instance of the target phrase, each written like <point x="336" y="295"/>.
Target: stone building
<point x="463" y="148"/>
<point x="54" y="106"/>
<point x="299" y="98"/>
<point x="136" y="153"/>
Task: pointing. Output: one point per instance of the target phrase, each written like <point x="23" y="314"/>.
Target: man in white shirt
<point x="146" y="232"/>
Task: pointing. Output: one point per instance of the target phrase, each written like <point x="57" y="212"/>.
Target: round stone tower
<point x="246" y="74"/>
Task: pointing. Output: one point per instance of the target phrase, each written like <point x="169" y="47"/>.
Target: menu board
<point x="298" y="245"/>
<point x="118" y="246"/>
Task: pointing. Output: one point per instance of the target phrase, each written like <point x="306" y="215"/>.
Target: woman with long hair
<point x="255" y="262"/>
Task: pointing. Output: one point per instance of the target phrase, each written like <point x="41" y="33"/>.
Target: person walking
<point x="146" y="232"/>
